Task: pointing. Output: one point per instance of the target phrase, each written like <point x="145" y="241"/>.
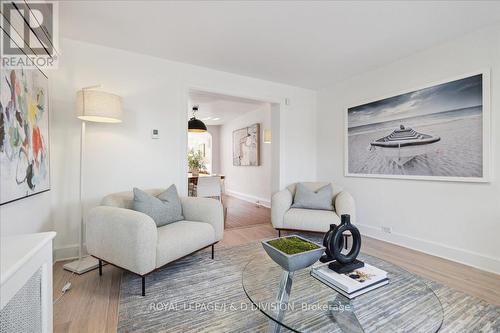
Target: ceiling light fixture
<point x="196" y="125"/>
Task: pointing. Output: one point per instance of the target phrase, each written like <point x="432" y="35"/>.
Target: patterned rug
<point x="197" y="294"/>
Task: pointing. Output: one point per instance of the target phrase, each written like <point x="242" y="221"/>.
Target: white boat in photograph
<point x="404" y="144"/>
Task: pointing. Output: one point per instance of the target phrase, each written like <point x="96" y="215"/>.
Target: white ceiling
<point x="216" y="109"/>
<point x="303" y="43"/>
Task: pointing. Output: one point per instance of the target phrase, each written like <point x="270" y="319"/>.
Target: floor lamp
<point x="92" y="106"/>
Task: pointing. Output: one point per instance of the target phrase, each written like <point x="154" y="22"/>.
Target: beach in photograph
<point x="458" y="153"/>
<point x="432" y="132"/>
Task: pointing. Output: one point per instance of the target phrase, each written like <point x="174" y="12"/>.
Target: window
<point x="202" y="143"/>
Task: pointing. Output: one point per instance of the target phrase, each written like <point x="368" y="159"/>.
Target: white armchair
<point x="284" y="217"/>
<point x="128" y="239"/>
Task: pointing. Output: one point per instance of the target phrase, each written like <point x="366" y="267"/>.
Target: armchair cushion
<point x="311" y="220"/>
<point x="321" y="198"/>
<point x="163" y="209"/>
<point x="177" y="239"/>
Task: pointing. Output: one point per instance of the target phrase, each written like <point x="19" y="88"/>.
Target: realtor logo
<point x="29" y="34"/>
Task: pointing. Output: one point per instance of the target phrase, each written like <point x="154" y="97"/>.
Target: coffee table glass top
<point x="299" y="302"/>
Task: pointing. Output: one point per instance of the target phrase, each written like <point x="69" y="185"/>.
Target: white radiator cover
<point x="23" y="313"/>
<point x="26" y="283"/>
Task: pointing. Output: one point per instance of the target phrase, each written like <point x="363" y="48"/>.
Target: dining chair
<point x="191" y="188"/>
<point x="212" y="187"/>
<point x="209" y="187"/>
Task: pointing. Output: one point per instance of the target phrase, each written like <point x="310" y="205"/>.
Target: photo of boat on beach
<point x="430" y="133"/>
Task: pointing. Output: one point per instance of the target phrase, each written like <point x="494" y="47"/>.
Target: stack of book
<point x="351" y="284"/>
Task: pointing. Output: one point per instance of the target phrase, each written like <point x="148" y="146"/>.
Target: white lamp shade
<point x="98" y="106"/>
<point x="267" y="136"/>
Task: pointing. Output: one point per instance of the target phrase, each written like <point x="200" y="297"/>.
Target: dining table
<point x="193" y="179"/>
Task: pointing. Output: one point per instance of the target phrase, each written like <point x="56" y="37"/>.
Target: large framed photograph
<point x="246" y="146"/>
<point x="437" y="132"/>
<point x="24" y="134"/>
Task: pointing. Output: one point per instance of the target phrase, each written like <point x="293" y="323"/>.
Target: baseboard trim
<point x="68" y="252"/>
<point x="249" y="198"/>
<point x="466" y="257"/>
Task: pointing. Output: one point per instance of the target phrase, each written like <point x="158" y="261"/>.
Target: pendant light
<point x="196" y="125"/>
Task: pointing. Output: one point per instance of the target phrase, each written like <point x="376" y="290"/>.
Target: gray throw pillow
<point x="163" y="209"/>
<point x="308" y="199"/>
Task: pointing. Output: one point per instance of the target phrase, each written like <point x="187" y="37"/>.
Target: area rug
<point x="198" y="294"/>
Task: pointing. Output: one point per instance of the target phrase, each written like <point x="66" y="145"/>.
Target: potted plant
<point x="293" y="252"/>
<point x="196" y="162"/>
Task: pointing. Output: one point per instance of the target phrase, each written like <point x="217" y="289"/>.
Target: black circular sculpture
<point x="334" y="243"/>
<point x="326" y="241"/>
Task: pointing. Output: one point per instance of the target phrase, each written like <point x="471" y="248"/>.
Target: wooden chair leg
<point x="100" y="267"/>
<point x="143" y="285"/>
<point x="212" y="251"/>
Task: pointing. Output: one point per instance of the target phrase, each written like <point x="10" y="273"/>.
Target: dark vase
<point x="344" y="262"/>
<point x="326" y="241"/>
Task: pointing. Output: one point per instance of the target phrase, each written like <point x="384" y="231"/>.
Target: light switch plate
<point x="155" y="134"/>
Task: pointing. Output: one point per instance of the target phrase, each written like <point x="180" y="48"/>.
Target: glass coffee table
<point x="300" y="303"/>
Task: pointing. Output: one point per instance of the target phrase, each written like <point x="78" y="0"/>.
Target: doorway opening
<point x="240" y="146"/>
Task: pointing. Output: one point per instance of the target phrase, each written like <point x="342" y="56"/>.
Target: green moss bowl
<point x="310" y="253"/>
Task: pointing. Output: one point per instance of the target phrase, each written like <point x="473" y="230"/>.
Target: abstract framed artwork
<point x="436" y="132"/>
<point x="24" y="134"/>
<point x="246" y="146"/>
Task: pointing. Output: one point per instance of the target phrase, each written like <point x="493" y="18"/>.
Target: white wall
<point x="155" y="94"/>
<point x="27" y="215"/>
<point x="251" y="183"/>
<point x="460" y="221"/>
<point x="214" y="130"/>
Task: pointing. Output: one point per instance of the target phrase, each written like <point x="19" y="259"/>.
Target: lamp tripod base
<point x="82" y="265"/>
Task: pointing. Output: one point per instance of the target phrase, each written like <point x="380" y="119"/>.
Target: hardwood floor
<point x="243" y="214"/>
<point x="467" y="279"/>
<point x="92" y="303"/>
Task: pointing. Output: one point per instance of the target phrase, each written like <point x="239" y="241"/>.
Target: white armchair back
<point x="315" y="186"/>
<point x="285" y="217"/>
<point x="125" y="199"/>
